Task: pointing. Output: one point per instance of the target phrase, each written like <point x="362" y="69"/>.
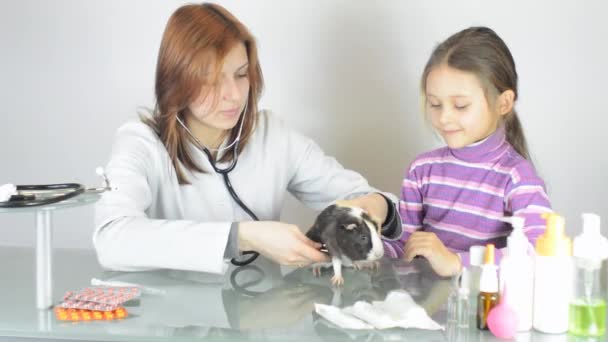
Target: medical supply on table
<point x="587" y="314"/>
<point x="552" y="277"/>
<point x="74" y="315"/>
<point x="476" y="257"/>
<point x="517" y="272"/>
<point x="462" y="308"/>
<point x="7" y="191"/>
<point x="503" y="320"/>
<point x="21" y="196"/>
<point x="458" y="300"/>
<point x="398" y="310"/>
<point x="452" y="306"/>
<point x="96" y="303"/>
<point x="104" y="295"/>
<point x="488" y="288"/>
<point x="86" y="305"/>
<point x="144" y="289"/>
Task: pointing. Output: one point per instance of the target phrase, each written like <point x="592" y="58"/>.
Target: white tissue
<point x="6" y="191"/>
<point x="339" y="318"/>
<point x="397" y="310"/>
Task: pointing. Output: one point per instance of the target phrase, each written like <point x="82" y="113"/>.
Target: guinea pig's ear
<point x="349" y="226"/>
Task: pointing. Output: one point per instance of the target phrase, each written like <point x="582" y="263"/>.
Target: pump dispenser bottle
<point x="488" y="289"/>
<point x="517" y="273"/>
<point x="553" y="277"/>
<point x="588" y="306"/>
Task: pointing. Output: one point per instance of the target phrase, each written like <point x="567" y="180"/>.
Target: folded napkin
<point x="397" y="310"/>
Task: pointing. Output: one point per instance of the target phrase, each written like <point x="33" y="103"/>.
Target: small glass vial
<point x="452" y="309"/>
<point x="462" y="307"/>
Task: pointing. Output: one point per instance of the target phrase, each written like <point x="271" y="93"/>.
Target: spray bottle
<point x="588" y="307"/>
<point x="488" y="289"/>
<point x="517" y="273"/>
<point x="553" y="277"/>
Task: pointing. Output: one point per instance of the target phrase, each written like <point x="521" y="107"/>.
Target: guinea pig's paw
<point x="337" y="280"/>
<point x="317" y="268"/>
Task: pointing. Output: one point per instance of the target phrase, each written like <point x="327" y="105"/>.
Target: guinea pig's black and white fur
<point x="351" y="237"/>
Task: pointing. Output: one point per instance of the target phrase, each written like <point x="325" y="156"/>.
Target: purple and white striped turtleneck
<point x="459" y="194"/>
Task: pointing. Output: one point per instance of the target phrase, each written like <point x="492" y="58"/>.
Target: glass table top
<point x="260" y="302"/>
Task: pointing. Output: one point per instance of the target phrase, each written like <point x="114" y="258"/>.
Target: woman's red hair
<point x="195" y="37"/>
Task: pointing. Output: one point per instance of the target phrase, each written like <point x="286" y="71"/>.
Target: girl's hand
<point x="428" y="245"/>
<point x="284" y="243"/>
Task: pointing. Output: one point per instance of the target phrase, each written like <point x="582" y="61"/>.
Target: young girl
<point x="452" y="197"/>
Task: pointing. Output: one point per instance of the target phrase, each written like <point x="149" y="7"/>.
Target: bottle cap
<point x="554" y="241"/>
<point x="489" y="256"/>
<point x="590" y="244"/>
<point x="517" y="242"/>
<point x="476" y="255"/>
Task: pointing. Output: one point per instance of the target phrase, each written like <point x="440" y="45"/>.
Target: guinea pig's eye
<point x="363" y="238"/>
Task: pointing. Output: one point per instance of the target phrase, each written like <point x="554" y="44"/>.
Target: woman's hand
<point x="374" y="204"/>
<point x="284" y="243"/>
<point x="428" y="245"/>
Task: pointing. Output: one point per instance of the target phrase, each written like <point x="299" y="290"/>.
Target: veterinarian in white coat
<point x="173" y="208"/>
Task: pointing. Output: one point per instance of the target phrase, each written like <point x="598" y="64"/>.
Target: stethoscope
<point x="252" y="255"/>
<point x="44" y="194"/>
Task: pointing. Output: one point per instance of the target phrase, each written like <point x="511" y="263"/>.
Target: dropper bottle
<point x="488" y="288"/>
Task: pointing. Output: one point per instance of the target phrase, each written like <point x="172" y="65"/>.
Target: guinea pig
<point x="350" y="236"/>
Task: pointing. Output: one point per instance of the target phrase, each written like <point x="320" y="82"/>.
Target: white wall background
<point x="344" y="72"/>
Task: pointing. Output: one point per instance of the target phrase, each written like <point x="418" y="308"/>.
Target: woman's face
<point x="218" y="108"/>
<point x="458" y="108"/>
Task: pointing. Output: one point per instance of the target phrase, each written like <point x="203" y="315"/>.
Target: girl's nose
<point x="446" y="116"/>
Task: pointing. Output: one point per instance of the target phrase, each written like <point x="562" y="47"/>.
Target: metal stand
<point x="44" y="259"/>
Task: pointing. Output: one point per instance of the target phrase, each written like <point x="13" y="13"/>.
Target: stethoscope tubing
<point x="252" y="255"/>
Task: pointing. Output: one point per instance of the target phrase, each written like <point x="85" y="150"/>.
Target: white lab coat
<point x="153" y="222"/>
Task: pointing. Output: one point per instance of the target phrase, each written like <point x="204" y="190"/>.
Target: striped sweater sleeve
<point x="411" y="212"/>
<point x="527" y="198"/>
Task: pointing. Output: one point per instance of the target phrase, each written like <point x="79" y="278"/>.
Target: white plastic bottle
<point x="517" y="273"/>
<point x="552" y="277"/>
